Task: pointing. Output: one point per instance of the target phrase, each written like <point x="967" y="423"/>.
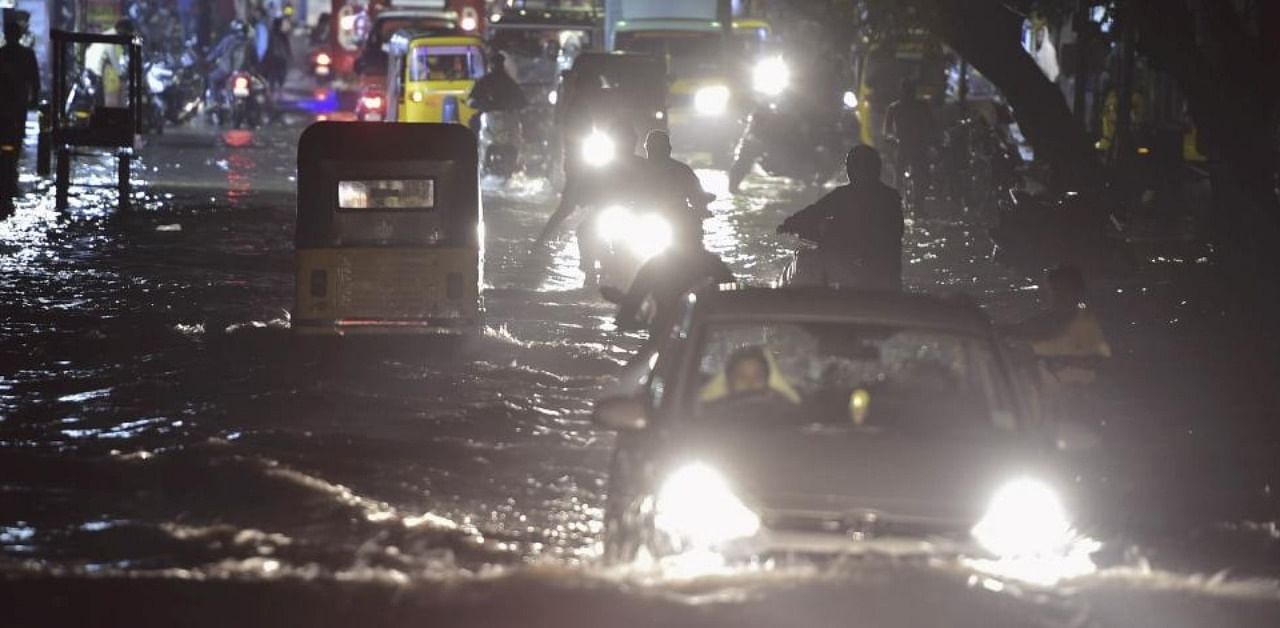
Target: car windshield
<point x="799" y="374"/>
<point x="446" y="63"/>
<point x="687" y="54"/>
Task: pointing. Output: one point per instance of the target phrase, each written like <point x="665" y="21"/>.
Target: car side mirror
<point x="624" y="414"/>
<point x="1074" y="437"/>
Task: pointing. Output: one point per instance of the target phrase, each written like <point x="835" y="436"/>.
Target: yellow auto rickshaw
<point x="429" y="77"/>
<point x="389" y="230"/>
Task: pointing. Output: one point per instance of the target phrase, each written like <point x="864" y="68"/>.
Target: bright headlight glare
<point x="712" y="100"/>
<point x="598" y="149"/>
<point x="614" y="223"/>
<point x="1025" y="519"/>
<point x="771" y="76"/>
<point x="649" y="235"/>
<point x="695" y="506"/>
<point x="850" y="100"/>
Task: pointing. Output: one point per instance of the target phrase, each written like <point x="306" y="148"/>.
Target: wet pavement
<point x="164" y="437"/>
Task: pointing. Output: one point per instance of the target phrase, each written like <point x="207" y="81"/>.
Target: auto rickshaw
<point x="388" y="230"/>
<point x="429" y="77"/>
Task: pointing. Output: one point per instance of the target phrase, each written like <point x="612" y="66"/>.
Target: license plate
<point x="373" y="117"/>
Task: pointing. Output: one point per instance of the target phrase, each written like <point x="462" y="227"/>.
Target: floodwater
<point x="170" y="454"/>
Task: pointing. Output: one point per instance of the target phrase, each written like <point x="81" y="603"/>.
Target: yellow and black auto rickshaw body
<point x="429" y="77"/>
<point x="389" y="230"/>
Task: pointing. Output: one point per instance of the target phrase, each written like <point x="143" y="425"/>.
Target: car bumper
<point x="769" y="542"/>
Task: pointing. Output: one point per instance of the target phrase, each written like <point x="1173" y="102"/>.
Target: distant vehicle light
<point x="598" y="149"/>
<point x="658" y="115"/>
<point x="240" y="87"/>
<point x="372" y="103"/>
<point x="323" y="59"/>
<point x="771" y="76"/>
<point x="850" y="100"/>
<point x="712" y="100"/>
<point x="469" y="23"/>
<point x="553" y="97"/>
<point x="416" y="96"/>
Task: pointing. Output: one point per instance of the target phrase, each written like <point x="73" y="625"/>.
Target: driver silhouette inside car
<point x="750" y="381"/>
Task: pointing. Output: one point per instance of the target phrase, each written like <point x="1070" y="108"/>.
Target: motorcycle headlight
<point x="649" y="235"/>
<point x="697" y="509"/>
<point x="1025" y="519"/>
<point x="771" y="76"/>
<point x="598" y="149"/>
<point x="711" y="100"/>
<point x="614" y="224"/>
<point x="850" y="100"/>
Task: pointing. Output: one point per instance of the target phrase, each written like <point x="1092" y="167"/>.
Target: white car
<point x="814" y="421"/>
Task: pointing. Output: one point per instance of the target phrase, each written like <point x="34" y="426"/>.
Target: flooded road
<point x="164" y="437"/>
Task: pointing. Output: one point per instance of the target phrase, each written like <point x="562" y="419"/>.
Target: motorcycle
<point x="500" y="136"/>
<point x="629" y="237"/>
<point x="244" y="102"/>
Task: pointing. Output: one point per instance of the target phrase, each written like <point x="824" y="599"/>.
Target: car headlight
<point x="1025" y="519"/>
<point x="771" y="76"/>
<point x="850" y="100"/>
<point x="598" y="149"/>
<point x="695" y="507"/>
<point x="712" y="100"/>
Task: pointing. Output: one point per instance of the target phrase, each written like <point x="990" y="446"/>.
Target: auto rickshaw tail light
<point x="453" y="286"/>
<point x="319" y="283"/>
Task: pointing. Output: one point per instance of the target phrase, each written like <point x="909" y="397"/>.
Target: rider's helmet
<point x="863" y="164"/>
<point x="238" y="28"/>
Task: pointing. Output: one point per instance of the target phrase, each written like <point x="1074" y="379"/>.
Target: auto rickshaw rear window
<point x="446" y="63"/>
<point x="387" y="194"/>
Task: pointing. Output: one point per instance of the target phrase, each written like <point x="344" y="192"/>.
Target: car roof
<point x="817" y="304"/>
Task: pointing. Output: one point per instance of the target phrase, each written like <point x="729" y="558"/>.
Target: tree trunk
<point x="987" y="34"/>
